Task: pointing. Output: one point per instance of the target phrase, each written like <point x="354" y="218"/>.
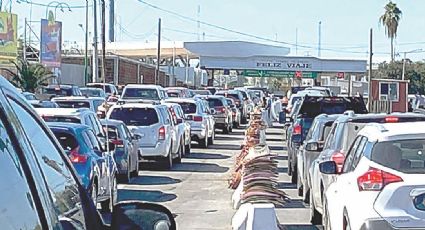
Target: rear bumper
<point x="373" y="224"/>
<point x="160" y="150"/>
<point x="220" y="120"/>
<point x="198" y="134"/>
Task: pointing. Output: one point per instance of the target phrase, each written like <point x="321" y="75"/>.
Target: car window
<point x="359" y="152"/>
<point x="61" y="183"/>
<point x="165" y="115"/>
<point x="350" y="155"/>
<point x="188" y="107"/>
<point x="326" y="131"/>
<point x="96" y="124"/>
<point x="141" y="93"/>
<point x="329" y="139"/>
<point x="121" y="132"/>
<point x="406" y="156"/>
<point x="135" y="116"/>
<point x="87" y="140"/>
<point x="127" y="131"/>
<point x="215" y="102"/>
<point x="66" y="139"/>
<point x="112" y="132"/>
<point x="73" y="104"/>
<point x="94" y="141"/>
<point x="48" y="118"/>
<point x="18" y="208"/>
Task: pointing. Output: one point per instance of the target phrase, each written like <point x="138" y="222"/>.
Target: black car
<point x="61" y="91"/>
<point x="40" y="188"/>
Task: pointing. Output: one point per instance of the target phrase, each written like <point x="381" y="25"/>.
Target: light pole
<point x="404" y="60"/>
<point x="56" y="4"/>
<point x="61" y="5"/>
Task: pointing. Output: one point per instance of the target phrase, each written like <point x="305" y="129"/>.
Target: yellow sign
<point x="8" y="36"/>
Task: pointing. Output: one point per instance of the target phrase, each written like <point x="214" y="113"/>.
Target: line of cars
<point x="357" y="170"/>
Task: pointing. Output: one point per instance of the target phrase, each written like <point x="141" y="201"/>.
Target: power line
<point x="45" y="5"/>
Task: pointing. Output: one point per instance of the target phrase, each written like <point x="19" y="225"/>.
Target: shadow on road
<point x="277" y="148"/>
<point x="189" y="167"/>
<point x="294" y="203"/>
<point x="145" y="195"/>
<point x="286" y="185"/>
<point x="282" y="170"/>
<point x="212" y="156"/>
<point x="154" y="180"/>
<point x="275" y="139"/>
<point x="282" y="158"/>
<point x="226" y="138"/>
<point x="226" y="147"/>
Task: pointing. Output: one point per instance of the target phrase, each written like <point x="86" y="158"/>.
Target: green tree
<point x="391" y="19"/>
<point x="27" y="76"/>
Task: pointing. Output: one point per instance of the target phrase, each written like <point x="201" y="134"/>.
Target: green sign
<point x="276" y="73"/>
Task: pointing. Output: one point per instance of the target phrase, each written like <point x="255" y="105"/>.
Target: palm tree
<point x="28" y="77"/>
<point x="390" y="19"/>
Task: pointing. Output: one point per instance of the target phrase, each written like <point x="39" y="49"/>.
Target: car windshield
<point x="112" y="131"/>
<point x="135" y="116"/>
<point x="93" y="92"/>
<point x="48" y="118"/>
<point x="173" y="93"/>
<point x="73" y="104"/>
<point x="66" y="140"/>
<point x="214" y="102"/>
<point x="138" y="93"/>
<point x="188" y="107"/>
<point x="100" y="86"/>
<point x="202" y="92"/>
<point x="407" y="156"/>
<point x="58" y="91"/>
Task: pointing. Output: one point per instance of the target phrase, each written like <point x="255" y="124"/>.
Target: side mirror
<point x="328" y="167"/>
<point x="282" y="117"/>
<point x="140" y="215"/>
<point x="213" y="111"/>
<point x="313" y="146"/>
<point x="137" y="136"/>
<point x="179" y="120"/>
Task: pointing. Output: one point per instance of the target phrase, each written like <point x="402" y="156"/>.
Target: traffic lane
<point x="196" y="190"/>
<point x="294" y="214"/>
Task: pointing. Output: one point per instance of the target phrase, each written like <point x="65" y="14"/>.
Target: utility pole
<point x="111" y="20"/>
<point x="319" y="48"/>
<point x="199" y="23"/>
<point x="95" y="50"/>
<point x="158" y="54"/>
<point x="369" y="100"/>
<point x="86" y="61"/>
<point x="103" y="39"/>
<point x="25" y="41"/>
<point x="296" y="41"/>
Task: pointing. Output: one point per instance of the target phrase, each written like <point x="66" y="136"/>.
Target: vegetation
<point x="28" y="76"/>
<point x="415" y="72"/>
<point x="391" y="19"/>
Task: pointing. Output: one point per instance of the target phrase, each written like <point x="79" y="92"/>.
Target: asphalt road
<point x="196" y="190"/>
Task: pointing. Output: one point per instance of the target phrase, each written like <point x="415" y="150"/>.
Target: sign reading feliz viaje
<point x="278" y="74"/>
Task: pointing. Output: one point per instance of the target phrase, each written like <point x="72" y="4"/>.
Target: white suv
<point x="154" y="124"/>
<point x="381" y="185"/>
<point x="135" y="92"/>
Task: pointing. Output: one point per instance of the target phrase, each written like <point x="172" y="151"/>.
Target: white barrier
<point x="255" y="217"/>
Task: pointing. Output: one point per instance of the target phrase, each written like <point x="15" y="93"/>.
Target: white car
<point x="201" y="122"/>
<point x="92" y="103"/>
<point x="136" y="92"/>
<point x="109" y="89"/>
<point x="154" y="124"/>
<point x="381" y="185"/>
<point x="182" y="127"/>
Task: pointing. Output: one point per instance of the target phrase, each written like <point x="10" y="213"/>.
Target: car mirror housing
<point x="312" y="146"/>
<point x="328" y="167"/>
<point x="141" y="215"/>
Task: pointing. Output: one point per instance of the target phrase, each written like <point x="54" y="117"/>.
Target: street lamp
<point x="404" y="60"/>
<point x="58" y="4"/>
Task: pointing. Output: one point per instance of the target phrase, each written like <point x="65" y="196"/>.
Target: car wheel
<point x="289" y="166"/>
<point x="178" y="160"/>
<point x="211" y="139"/>
<point x="135" y="173"/>
<point x="108" y="205"/>
<point x="188" y="148"/>
<point x="168" y="160"/>
<point x="306" y="193"/>
<point x="230" y="128"/>
<point x="94" y="194"/>
<point x="300" y="187"/>
<point x="294" y="175"/>
<point x="226" y="129"/>
<point x="315" y="216"/>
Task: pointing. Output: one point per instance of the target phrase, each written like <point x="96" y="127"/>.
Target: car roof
<point x="77" y="98"/>
<point x="135" y="105"/>
<point x="210" y="96"/>
<point x="175" y="88"/>
<point x="140" y="86"/>
<point x="67" y="125"/>
<point x="100" y="83"/>
<point x="62" y="111"/>
<point x="60" y="86"/>
<point x="353" y="117"/>
<point x="112" y="122"/>
<point x="177" y="100"/>
<point x="231" y="91"/>
<point x="326" y="117"/>
<point x="393" y="131"/>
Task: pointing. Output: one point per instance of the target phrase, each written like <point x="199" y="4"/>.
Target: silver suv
<point x="221" y="111"/>
<point x="135" y="92"/>
<point x="155" y="125"/>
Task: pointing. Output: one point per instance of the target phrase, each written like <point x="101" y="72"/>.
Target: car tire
<point x="300" y="187"/>
<point x="211" y="139"/>
<point x="135" y="173"/>
<point x="188" y="148"/>
<point x="226" y="129"/>
<point x="294" y="176"/>
<point x="94" y="194"/>
<point x="178" y="160"/>
<point x="230" y="128"/>
<point x="315" y="216"/>
<point x="306" y="193"/>
<point x="289" y="166"/>
<point x="168" y="160"/>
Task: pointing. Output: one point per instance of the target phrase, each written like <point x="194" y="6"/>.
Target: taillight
<point x="376" y="179"/>
<point x="197" y="118"/>
<point x="161" y="133"/>
<point x="297" y="129"/>
<point x="338" y="158"/>
<point x="221" y="109"/>
<point x="118" y="143"/>
<point x="391" y="119"/>
<point x="76" y="157"/>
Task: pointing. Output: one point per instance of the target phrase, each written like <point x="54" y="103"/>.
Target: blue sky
<point x="345" y="23"/>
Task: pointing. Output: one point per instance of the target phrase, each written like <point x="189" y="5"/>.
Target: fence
<point x="380" y="107"/>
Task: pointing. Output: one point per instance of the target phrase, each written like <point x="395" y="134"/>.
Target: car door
<point x="101" y="161"/>
<point x="133" y="145"/>
<point x="69" y="204"/>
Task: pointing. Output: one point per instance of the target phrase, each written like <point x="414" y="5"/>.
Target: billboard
<point x="51" y="43"/>
<point x="8" y="36"/>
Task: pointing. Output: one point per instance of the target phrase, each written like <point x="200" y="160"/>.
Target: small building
<point x="389" y="95"/>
